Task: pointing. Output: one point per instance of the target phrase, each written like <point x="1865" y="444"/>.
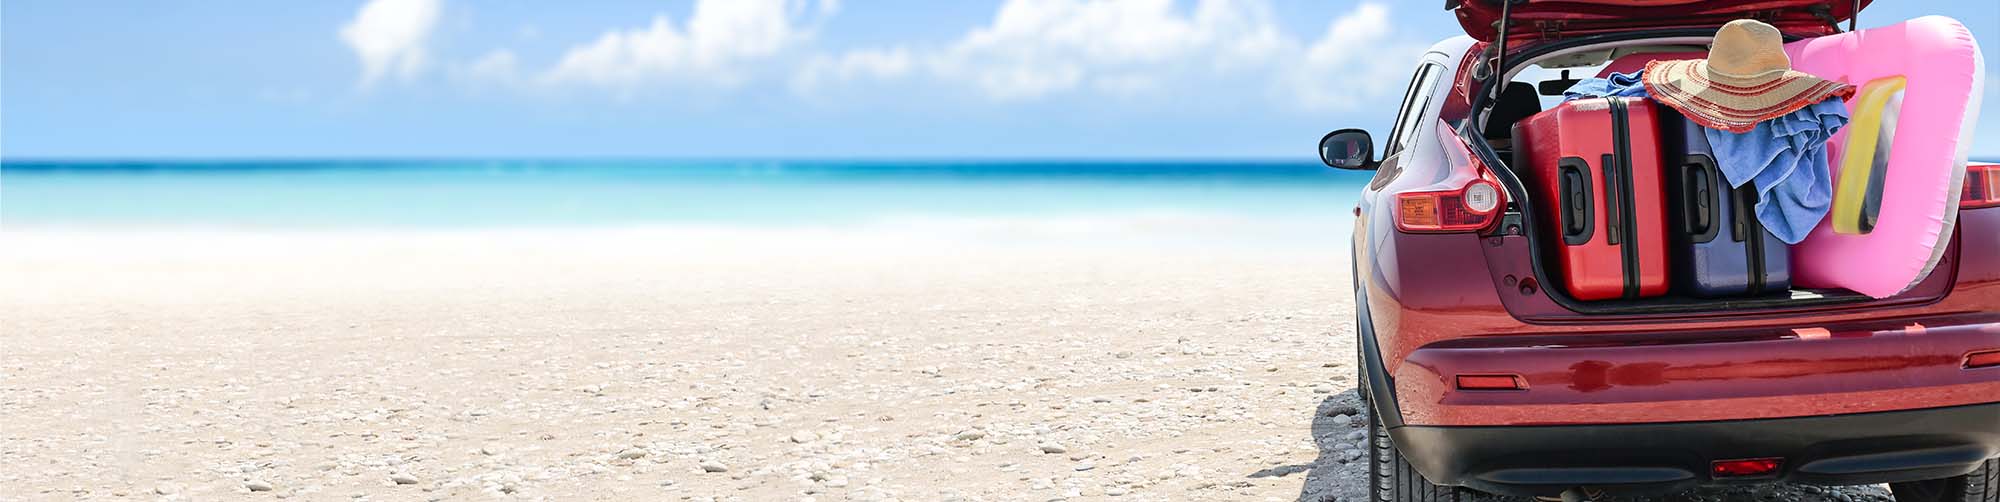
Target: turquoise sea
<point x="535" y="193"/>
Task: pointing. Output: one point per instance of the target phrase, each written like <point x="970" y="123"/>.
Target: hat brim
<point x="1735" y="104"/>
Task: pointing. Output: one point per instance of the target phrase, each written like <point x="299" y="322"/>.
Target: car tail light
<point x="1443" y="208"/>
<point x="1982" y="186"/>
<point x="1490" y="382"/>
<point x="1745" y="467"/>
<point x="1982" y="359"/>
<point x="1469" y="208"/>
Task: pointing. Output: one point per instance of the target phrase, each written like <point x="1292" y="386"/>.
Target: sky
<point x="1204" y="79"/>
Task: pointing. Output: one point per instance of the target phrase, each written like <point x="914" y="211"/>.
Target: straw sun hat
<point x="1746" y="79"/>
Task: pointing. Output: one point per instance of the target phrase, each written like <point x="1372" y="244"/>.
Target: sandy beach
<point x="651" y="364"/>
<point x="971" y="251"/>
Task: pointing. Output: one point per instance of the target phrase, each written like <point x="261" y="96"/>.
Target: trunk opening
<point x="1520" y="226"/>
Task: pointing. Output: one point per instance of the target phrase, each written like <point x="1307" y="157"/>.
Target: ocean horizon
<point x="294" y="194"/>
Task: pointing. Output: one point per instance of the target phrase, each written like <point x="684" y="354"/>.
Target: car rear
<point x="1500" y="383"/>
<point x="1894" y="390"/>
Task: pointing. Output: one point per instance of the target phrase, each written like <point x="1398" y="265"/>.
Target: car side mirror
<point x="1348" y="149"/>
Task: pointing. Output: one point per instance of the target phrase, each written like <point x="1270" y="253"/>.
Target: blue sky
<point x="725" y="78"/>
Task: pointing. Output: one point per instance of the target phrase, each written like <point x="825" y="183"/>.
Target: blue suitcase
<point x="1717" y="244"/>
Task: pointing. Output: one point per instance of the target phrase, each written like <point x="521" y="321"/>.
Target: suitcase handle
<point x="1611" y="204"/>
<point x="1699" y="210"/>
<point x="1573" y="186"/>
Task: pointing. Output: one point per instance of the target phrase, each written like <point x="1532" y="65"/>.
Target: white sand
<point x="613" y="364"/>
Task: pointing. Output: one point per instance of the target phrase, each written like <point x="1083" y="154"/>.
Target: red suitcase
<point x="1594" y="167"/>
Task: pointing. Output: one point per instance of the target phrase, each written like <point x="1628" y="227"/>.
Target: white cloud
<point x="866" y="63"/>
<point x="1151" y="48"/>
<point x="1355" y="59"/>
<point x="1135" y="84"/>
<point x="1037" y="47"/>
<point x="389" y="37"/>
<point x="717" y="44"/>
<point x="499" y="66"/>
<point x="1029" y="49"/>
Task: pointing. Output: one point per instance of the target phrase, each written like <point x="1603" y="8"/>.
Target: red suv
<point x="1485" y="375"/>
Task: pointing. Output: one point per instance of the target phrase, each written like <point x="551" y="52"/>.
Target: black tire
<point x="1981" y="485"/>
<point x="1392" y="479"/>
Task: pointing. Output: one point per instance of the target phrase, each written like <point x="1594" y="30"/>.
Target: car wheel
<point x="1392" y="479"/>
<point x="1981" y="485"/>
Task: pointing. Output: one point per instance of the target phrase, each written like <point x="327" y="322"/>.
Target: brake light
<point x="1745" y="467"/>
<point x="1463" y="210"/>
<point x="1489" y="382"/>
<point x="1468" y="208"/>
<point x="1982" y="186"/>
<point x="1984" y="359"/>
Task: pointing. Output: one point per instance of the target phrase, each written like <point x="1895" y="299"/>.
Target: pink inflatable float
<point x="1898" y="168"/>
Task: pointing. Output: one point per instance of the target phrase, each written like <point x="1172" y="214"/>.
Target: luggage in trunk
<point x="1594" y="167"/>
<point x="1718" y="246"/>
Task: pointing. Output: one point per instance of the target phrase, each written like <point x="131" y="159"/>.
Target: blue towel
<point x="1785" y="158"/>
<point x="1619" y="84"/>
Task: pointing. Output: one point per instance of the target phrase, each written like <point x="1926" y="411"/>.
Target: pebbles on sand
<point x="630" y="365"/>
<point x="713" y="466"/>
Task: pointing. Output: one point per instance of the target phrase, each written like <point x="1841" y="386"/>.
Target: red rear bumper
<point x="1854" y="367"/>
<point x="1855" y="449"/>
